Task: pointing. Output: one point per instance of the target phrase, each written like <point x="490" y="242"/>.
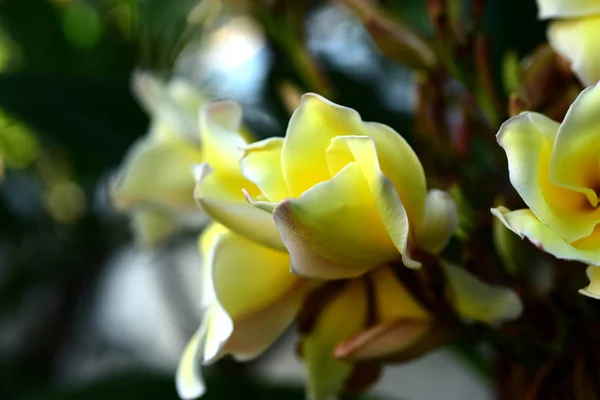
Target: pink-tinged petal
<point x="400" y="321"/>
<point x="382" y="340"/>
<point x="261" y="164"/>
<point x="334" y="231"/>
<point x="528" y="140"/>
<point x="326" y="374"/>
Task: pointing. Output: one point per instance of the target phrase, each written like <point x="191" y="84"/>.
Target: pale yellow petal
<point x="188" y="378"/>
<point x="312" y="126"/>
<point x="440" y="222"/>
<point x="392" y="213"/>
<point x="392" y="299"/>
<point x="158" y="173"/>
<point x="222" y="199"/>
<point x="525" y="224"/>
<point x="152" y="226"/>
<point x="528" y="140"/>
<point x="220" y="125"/>
<point x="576" y="40"/>
<point x="326" y="374"/>
<point x="476" y="300"/>
<point x="261" y="164"/>
<point x="567" y="8"/>
<point x="173" y="106"/>
<point x="317" y="121"/>
<point x="256" y="296"/>
<point x="574" y="163"/>
<point x="593" y="289"/>
<point x="334" y="230"/>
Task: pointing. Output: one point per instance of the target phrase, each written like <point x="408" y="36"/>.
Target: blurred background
<point x="85" y="311"/>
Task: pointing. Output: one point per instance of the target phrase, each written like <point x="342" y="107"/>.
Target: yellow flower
<point x="156" y="182"/>
<point x="574" y="35"/>
<point x="345" y="195"/>
<point x="251" y="296"/>
<point x="555" y="169"/>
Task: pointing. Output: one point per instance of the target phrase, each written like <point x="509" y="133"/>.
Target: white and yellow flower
<point x="556" y="170"/>
<point x="574" y="34"/>
<point x="156" y="183"/>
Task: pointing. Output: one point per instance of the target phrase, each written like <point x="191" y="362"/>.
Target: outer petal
<point x="574" y="162"/>
<point x="152" y="226"/>
<point x="400" y="321"/>
<point x="261" y="164"/>
<point x="158" y="173"/>
<point x="362" y="151"/>
<point x="326" y="374"/>
<point x="173" y="106"/>
<point x="222" y="198"/>
<point x="525" y="224"/>
<point x="576" y="40"/>
<point x="312" y="126"/>
<point x="220" y="124"/>
<point x="528" y="140"/>
<point x="440" y="222"/>
<point x="188" y="380"/>
<point x="333" y="230"/>
<point x="593" y="289"/>
<point x="476" y="300"/>
<point x="256" y="297"/>
<point x="567" y="8"/>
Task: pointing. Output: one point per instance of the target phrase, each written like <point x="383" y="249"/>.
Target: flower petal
<point x="575" y="39"/>
<point x="173" y="106"/>
<point x="401" y="321"/>
<point x="574" y="162"/>
<point x="158" y="173"/>
<point x="317" y="121"/>
<point x="152" y="226"/>
<point x="477" y="300"/>
<point x="312" y="126"/>
<point x="256" y="297"/>
<point x="261" y="164"/>
<point x="440" y="222"/>
<point x="326" y="374"/>
<point x="188" y="378"/>
<point x="525" y="224"/>
<point x="567" y="8"/>
<point x="362" y="150"/>
<point x="222" y="198"/>
<point x="593" y="289"/>
<point x="220" y="124"/>
<point x="528" y="140"/>
<point x="333" y="230"/>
